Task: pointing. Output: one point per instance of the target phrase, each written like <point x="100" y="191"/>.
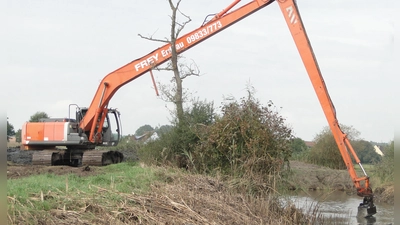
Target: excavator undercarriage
<point x="76" y="157"/>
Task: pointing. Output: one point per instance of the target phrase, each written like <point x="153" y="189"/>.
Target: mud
<point x="19" y="171"/>
<point x="17" y="156"/>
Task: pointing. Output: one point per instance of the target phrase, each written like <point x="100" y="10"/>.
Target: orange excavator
<point x="92" y="125"/>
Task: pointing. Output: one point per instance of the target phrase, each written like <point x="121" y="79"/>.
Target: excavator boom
<point x="293" y="19"/>
<point x="116" y="79"/>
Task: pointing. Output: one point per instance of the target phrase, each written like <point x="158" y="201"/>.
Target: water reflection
<point x="343" y="207"/>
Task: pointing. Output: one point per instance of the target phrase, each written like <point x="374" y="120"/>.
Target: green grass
<point x="48" y="191"/>
<point x="369" y="169"/>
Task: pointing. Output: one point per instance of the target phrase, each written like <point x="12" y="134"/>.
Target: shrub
<point x="176" y="144"/>
<point x="248" y="140"/>
<point x="325" y="152"/>
<point x="385" y="168"/>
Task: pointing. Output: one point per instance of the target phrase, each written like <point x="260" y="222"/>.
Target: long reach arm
<point x="292" y="16"/>
<point x="227" y="17"/>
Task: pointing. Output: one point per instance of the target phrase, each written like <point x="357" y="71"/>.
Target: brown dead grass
<point x="385" y="194"/>
<point x="313" y="177"/>
<point x="180" y="198"/>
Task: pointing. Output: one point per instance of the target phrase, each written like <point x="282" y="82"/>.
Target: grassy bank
<point x="381" y="182"/>
<point x="40" y="198"/>
<point x="309" y="177"/>
<point x="128" y="193"/>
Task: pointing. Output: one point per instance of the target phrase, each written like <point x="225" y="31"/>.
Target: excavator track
<point x="76" y="158"/>
<point x="57" y="157"/>
<point x="43" y="158"/>
<point x="101" y="158"/>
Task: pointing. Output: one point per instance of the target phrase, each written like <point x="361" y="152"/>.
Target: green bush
<point x="325" y="152"/>
<point x="300" y="151"/>
<point x="248" y="140"/>
<point x="176" y="143"/>
<point x="366" y="152"/>
<point x="385" y="168"/>
<point x="128" y="147"/>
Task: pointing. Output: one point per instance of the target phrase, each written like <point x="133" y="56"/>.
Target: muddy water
<point x="343" y="207"/>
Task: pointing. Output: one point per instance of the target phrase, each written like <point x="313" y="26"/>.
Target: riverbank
<point x="306" y="177"/>
<point x="309" y="177"/>
<point x="132" y="193"/>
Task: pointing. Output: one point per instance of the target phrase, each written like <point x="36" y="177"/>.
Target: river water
<point x="342" y="207"/>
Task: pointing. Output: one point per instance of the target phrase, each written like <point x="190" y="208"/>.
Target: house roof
<point x="310" y="144"/>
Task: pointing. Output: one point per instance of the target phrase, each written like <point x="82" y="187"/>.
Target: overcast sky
<point x="57" y="52"/>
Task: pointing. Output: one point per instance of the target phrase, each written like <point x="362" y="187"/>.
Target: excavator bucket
<point x="371" y="211"/>
<point x="367" y="208"/>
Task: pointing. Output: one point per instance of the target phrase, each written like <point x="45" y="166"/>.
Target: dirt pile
<point x="17" y="156"/>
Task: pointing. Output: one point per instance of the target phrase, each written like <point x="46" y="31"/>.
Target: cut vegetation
<point x="129" y="193"/>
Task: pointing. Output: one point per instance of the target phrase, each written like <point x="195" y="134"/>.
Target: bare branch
<point x="174" y="9"/>
<point x="168" y="68"/>
<point x="182" y="26"/>
<point x="154" y="39"/>
<point x="177" y="4"/>
<point x="171" y="4"/>
<point x="174" y="92"/>
<point x="167" y="93"/>
<point x="189" y="70"/>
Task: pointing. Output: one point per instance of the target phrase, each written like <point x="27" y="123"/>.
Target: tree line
<point x="325" y="152"/>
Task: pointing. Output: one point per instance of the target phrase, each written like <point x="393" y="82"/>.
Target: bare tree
<point x="175" y="94"/>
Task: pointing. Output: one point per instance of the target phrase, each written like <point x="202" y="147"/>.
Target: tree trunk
<point x="178" y="99"/>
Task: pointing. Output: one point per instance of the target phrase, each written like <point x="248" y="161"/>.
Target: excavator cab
<point x="111" y="131"/>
